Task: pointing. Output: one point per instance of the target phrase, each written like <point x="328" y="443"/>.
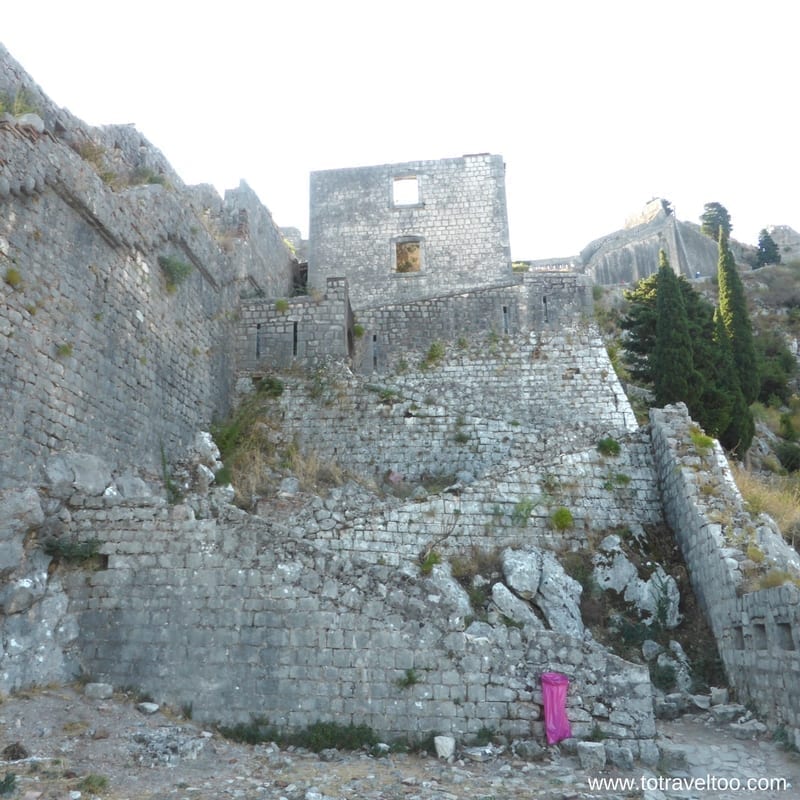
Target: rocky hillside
<point x="631" y="253"/>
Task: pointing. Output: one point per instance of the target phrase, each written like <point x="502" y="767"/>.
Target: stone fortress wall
<point x="97" y="355"/>
<point x="323" y="618"/>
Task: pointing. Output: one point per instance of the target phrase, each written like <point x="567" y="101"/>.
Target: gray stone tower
<point x="406" y="232"/>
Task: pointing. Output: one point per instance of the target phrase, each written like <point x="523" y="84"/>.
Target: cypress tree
<point x="733" y="311"/>
<point x="740" y="429"/>
<point x="672" y="366"/>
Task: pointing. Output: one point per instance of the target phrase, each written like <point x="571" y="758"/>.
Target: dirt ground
<point x="66" y="746"/>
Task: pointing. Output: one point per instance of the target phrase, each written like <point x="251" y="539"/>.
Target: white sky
<point x="596" y="105"/>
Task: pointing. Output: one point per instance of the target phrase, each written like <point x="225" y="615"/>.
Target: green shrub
<point x="561" y="519"/>
<point x="282" y="305"/>
<point x="326" y="735"/>
<point x="430" y="560"/>
<point x="701" y="442"/>
<point x="256" y="731"/>
<point x="94" y="783"/>
<point x="408" y="680"/>
<point x="8" y="785"/>
<point x="17" y="104"/>
<point x="72" y="551"/>
<point x="13" y="277"/>
<point x="358" y="330"/>
<point x="662" y="676"/>
<point x="522" y="512"/>
<point x="64" y="350"/>
<point x="434" y="355"/>
<point x="789" y="455"/>
<point x="175" y="271"/>
<point x="608" y="447"/>
<point x="270" y="386"/>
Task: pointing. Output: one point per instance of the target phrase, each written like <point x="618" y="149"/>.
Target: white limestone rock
<point x="522" y="571"/>
<point x="559" y="598"/>
<point x="512" y="607"/>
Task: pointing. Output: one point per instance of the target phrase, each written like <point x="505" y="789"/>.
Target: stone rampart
<point x="732" y="558"/>
<point x="99" y="352"/>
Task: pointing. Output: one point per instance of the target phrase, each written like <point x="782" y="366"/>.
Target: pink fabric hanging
<point x="554" y="690"/>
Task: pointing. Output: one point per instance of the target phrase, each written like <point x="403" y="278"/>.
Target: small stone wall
<point x="308" y="330"/>
<point x="730" y="555"/>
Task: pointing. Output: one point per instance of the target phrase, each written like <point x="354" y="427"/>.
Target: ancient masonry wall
<point x="533" y="302"/>
<point x="233" y="618"/>
<point x="489" y="405"/>
<point x="504" y="510"/>
<point x="96" y="353"/>
<point x="730" y="556"/>
<point x="458" y="218"/>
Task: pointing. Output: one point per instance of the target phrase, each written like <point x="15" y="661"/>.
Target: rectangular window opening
<point x="760" y="636"/>
<point x="408" y="257"/>
<point x="738" y="638"/>
<point x="294" y="338"/>
<point x="784" y="635"/>
<point x="405" y="191"/>
<point x="505" y="320"/>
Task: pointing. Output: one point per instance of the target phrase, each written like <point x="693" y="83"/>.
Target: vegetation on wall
<point x="175" y="271"/>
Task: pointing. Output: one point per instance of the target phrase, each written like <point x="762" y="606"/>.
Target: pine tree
<point x="672" y="366"/>
<point x="715" y="219"/>
<point x="733" y="311"/>
<point x="768" y="252"/>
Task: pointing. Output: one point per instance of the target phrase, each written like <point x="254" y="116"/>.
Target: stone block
<point x="592" y="756"/>
<point x="98" y="691"/>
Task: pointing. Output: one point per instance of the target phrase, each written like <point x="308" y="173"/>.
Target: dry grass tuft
<point x="776" y="495"/>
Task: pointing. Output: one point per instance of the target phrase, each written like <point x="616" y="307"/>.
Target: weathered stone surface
<point x="748" y="730"/>
<point x="20" y="510"/>
<point x="559" y="597"/>
<point x="522" y="571"/>
<point x="618" y="755"/>
<point x="148" y="708"/>
<point x="98" y="691"/>
<point x="452" y="593"/>
<point x="674" y="757"/>
<point x="592" y="756"/>
<point x="719" y="696"/>
<point x="651" y="649"/>
<point x="512" y="607"/>
<point x="727" y="713"/>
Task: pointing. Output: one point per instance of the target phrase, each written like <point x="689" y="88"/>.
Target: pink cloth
<point x="554" y="690"/>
